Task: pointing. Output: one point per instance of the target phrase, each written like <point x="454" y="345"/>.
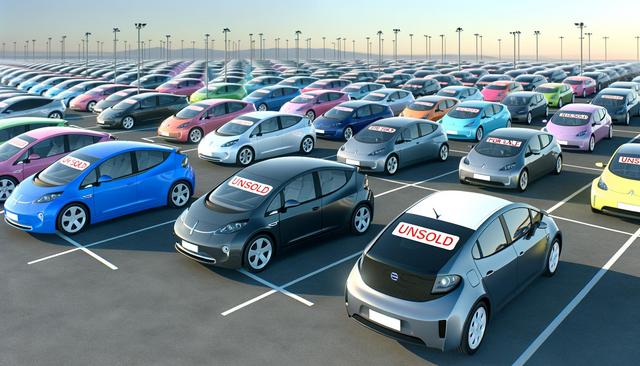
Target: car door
<point x="335" y="197"/>
<point x="534" y="159"/>
<point x="529" y="241"/>
<point x="392" y="101"/>
<point x="540" y="106"/>
<point x="428" y="148"/>
<point x="487" y="119"/>
<point x="276" y="99"/>
<point x="43" y="154"/>
<point x="408" y="146"/>
<point x="301" y="216"/>
<point x="265" y="138"/>
<point x="291" y="134"/>
<point x="496" y="261"/>
<point x="119" y="195"/>
<point x="147" y="108"/>
<point x="151" y="178"/>
<point x="213" y="118"/>
<point x="362" y="117"/>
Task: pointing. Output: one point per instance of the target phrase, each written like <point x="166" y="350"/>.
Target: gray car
<point x="526" y="105"/>
<point x="511" y="158"/>
<point x="391" y="143"/>
<point x="32" y="106"/>
<point x="440" y="270"/>
<point x="396" y="99"/>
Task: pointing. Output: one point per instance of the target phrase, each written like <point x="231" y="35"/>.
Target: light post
<point x="3" y="50"/>
<point x="126" y="54"/>
<point x="261" y="54"/>
<point x="605" y="47"/>
<point x="97" y="49"/>
<point x="49" y="49"/>
<point x="589" y="34"/>
<point x="537" y="34"/>
<point x="637" y="48"/>
<point x="62" y="47"/>
<point x="206" y="64"/>
<point x="395" y="44"/>
<point x="339" y="44"/>
<point x="251" y="50"/>
<point x="426" y="47"/>
<point x="368" y="51"/>
<point x="168" y="36"/>
<point x="379" y="50"/>
<point x="515" y="34"/>
<point x="324" y="48"/>
<point x="298" y="33"/>
<point x="410" y="46"/>
<point x="15" y="50"/>
<point x="353" y="49"/>
<point x="476" y="35"/>
<point x="182" y="49"/>
<point x="115" y="54"/>
<point x="459" y="31"/>
<point x="278" y="48"/>
<point x="442" y="46"/>
<point x="581" y="26"/>
<point x="286" y="42"/>
<point x="499" y="49"/>
<point x="225" y="32"/>
<point x="139" y="27"/>
<point x="33" y="49"/>
<point x="333" y="44"/>
<point x="518" y="34"/>
<point x="193" y="50"/>
<point x="481" y="57"/>
<point x="86" y="35"/>
<point x="430" y="54"/>
<point x="561" y="48"/>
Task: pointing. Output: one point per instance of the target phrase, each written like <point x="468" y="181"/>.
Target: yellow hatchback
<point x="617" y="189"/>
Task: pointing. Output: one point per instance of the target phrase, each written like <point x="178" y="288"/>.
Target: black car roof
<point x="285" y="168"/>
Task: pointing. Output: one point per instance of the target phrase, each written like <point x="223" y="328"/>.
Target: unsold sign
<point x="426" y="236"/>
<point x="250" y="186"/>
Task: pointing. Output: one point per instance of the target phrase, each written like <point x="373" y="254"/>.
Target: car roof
<point x="434" y="98"/>
<point x="26" y="97"/>
<point x="44" y="132"/>
<point x="616" y="91"/>
<point x="552" y="85"/>
<point x="524" y="93"/>
<point x="515" y="132"/>
<point x="285" y="168"/>
<point x="502" y="82"/>
<point x="462" y="208"/>
<point x="398" y="122"/>
<point x="475" y="103"/>
<point x="267" y="114"/>
<point x="580" y="107"/>
<point x="16" y="121"/>
<point x="357" y="103"/>
<point x="113" y="147"/>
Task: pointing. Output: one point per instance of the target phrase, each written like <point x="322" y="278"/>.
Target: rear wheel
<point x="560" y="103"/>
<point x="90" y="106"/>
<point x="627" y="119"/>
<point x="127" y="122"/>
<point x="306" y="145"/>
<point x="73" y="218"/>
<point x="553" y="259"/>
<point x="195" y="135"/>
<point x="529" y="118"/>
<point x="179" y="194"/>
<point x="546" y="111"/>
<point x="558" y="168"/>
<point x="361" y="219"/>
<point x="474" y="329"/>
<point x="479" y="134"/>
<point x="258" y="253"/>
<point x="348" y="133"/>
<point x="592" y="143"/>
<point x="7" y="185"/>
<point x="262" y="107"/>
<point x="55" y="115"/>
<point x="391" y="165"/>
<point x="245" y="156"/>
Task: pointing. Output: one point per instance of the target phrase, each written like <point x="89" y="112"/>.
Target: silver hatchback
<point x="32" y="106"/>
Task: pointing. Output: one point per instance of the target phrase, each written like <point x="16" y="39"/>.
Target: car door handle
<point x="315" y="208"/>
<point x="489" y="273"/>
<point x="521" y="253"/>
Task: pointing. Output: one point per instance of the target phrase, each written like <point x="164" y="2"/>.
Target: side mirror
<point x="601" y="165"/>
<point x="290" y="204"/>
<point x="104" y="179"/>
<point x="33" y="157"/>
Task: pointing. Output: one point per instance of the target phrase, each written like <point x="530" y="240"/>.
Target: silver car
<point x="439" y="271"/>
<point x="258" y="135"/>
<point x="391" y="143"/>
<point x="32" y="106"/>
<point x="511" y="158"/>
<point x="396" y="99"/>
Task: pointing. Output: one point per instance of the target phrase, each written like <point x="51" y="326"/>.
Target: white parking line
<point x="568" y="198"/>
<point x="583" y="167"/>
<point x="566" y="311"/>
<point x="248" y="302"/>
<point x="591" y="225"/>
<point x="84" y="249"/>
<point x="625" y="131"/>
<point x="407" y="185"/>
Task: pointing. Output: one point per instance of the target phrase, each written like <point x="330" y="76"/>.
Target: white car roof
<point x="458" y="207"/>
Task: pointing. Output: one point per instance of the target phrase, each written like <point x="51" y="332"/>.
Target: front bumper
<point x="31" y="217"/>
<point x="488" y="178"/>
<point x="462" y="133"/>
<point x="616" y="203"/>
<point x="210" y="253"/>
<point x="107" y="122"/>
<point x="173" y="135"/>
<point x="331" y="133"/>
<point x="369" y="163"/>
<point x="225" y="155"/>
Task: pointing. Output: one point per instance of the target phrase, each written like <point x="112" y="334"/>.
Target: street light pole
<point x="476" y="35"/>
<point x="86" y="35"/>
<point x="298" y="33"/>
<point x="459" y="31"/>
<point x="115" y="54"/>
<point x="410" y="46"/>
<point x="368" y="52"/>
<point x="168" y="36"/>
<point x="561" y="48"/>
<point x="33" y="49"/>
<point x="481" y="58"/>
<point x="518" y="33"/>
<point x="251" y="50"/>
<point x="261" y="53"/>
<point x="139" y="27"/>
<point x="499" y="49"/>
<point x="62" y="47"/>
<point x="442" y="46"/>
<point x="637" y="48"/>
<point x="193" y="50"/>
<point x="605" y="47"/>
<point x="589" y="34"/>
<point x="182" y="49"/>
<point x="537" y="34"/>
<point x="430" y="54"/>
<point x="581" y="26"/>
<point x="515" y="34"/>
<point x="379" y="50"/>
<point x="395" y="44"/>
<point x="225" y="31"/>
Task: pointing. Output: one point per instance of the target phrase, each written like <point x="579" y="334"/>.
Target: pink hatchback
<point x="35" y="150"/>
<point x="181" y="86"/>
<point x="314" y="103"/>
<point x="581" y="85"/>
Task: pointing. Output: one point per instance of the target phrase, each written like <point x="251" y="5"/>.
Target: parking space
<point x="160" y="308"/>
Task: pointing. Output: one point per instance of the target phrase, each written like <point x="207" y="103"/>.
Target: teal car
<point x="472" y="120"/>
<point x="557" y="94"/>
<point x="12" y="127"/>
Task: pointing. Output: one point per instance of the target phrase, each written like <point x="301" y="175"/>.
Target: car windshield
<point x="464" y="112"/>
<point x="500" y="147"/>
<point x="242" y="192"/>
<point x="609" y="101"/>
<point x="351" y="89"/>
<point x="546" y="89"/>
<point x="448" y="92"/>
<point x="259" y="93"/>
<point x="573" y="82"/>
<point x="626" y="166"/>
<point x="13" y="146"/>
<point x="125" y="104"/>
<point x="237" y="126"/>
<point x="420" y="105"/>
<point x="516" y="100"/>
<point x="339" y="113"/>
<point x="374" y="97"/>
<point x="496" y="87"/>
<point x="117" y="96"/>
<point x="303" y="99"/>
<point x="375" y="134"/>
<point x="571" y="118"/>
<point x="66" y="169"/>
<point x="191" y="111"/>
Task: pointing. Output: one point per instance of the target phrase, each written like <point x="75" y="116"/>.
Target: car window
<point x="148" y="102"/>
<point x="518" y="222"/>
<point x="364" y="111"/>
<point x="492" y="240"/>
<point x="534" y="144"/>
<point x="376" y="109"/>
<point x="323" y="98"/>
<point x="301" y="189"/>
<point x="79" y="141"/>
<point x="426" y="128"/>
<point x="269" y="125"/>
<point x="289" y="121"/>
<point x="334" y="96"/>
<point x="218" y="110"/>
<point x="488" y="111"/>
<point x="496" y="108"/>
<point x="91" y="178"/>
<point x="147" y="159"/>
<point x="275" y="204"/>
<point x="331" y="180"/>
<point x="117" y="167"/>
<point x="277" y="93"/>
<point x="167" y="100"/>
<point x="410" y="132"/>
<point x="545" y="140"/>
<point x="9" y="133"/>
<point x="49" y="147"/>
<point x="233" y="107"/>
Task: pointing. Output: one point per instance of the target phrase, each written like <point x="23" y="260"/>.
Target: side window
<point x="323" y="98"/>
<point x="234" y="107"/>
<point x="276" y="93"/>
<point x="167" y="100"/>
<point x="492" y="240"/>
<point x="488" y="111"/>
<point x="117" y="167"/>
<point x="545" y="140"/>
<point x="20" y="106"/>
<point x="534" y="144"/>
<point x="496" y="108"/>
<point x="269" y="125"/>
<point x="334" y="96"/>
<point x="218" y="110"/>
<point x="364" y="111"/>
<point x="148" y="102"/>
<point x="79" y="141"/>
<point x="518" y="222"/>
<point x="49" y="147"/>
<point x="426" y="129"/>
<point x="91" y="178"/>
<point x="9" y="133"/>
<point x="289" y="91"/>
<point x="275" y="204"/>
<point x="289" y="121"/>
<point x="376" y="109"/>
<point x="394" y="96"/>
<point x="147" y="159"/>
<point x="331" y="180"/>
<point x="450" y="103"/>
<point x="410" y="132"/>
<point x="301" y="189"/>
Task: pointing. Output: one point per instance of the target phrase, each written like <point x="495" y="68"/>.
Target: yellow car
<point x="617" y="190"/>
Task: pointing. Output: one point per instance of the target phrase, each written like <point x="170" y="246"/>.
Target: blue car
<point x="41" y="88"/>
<point x="462" y="93"/>
<point x="63" y="86"/>
<point x="260" y="82"/>
<point x="100" y="182"/>
<point x="271" y="98"/>
<point x="346" y="119"/>
<point x="27" y="84"/>
<point x="472" y="120"/>
<point x="67" y="95"/>
<point x="298" y="81"/>
<point x="360" y="90"/>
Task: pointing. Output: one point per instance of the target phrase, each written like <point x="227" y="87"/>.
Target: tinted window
<point x="234" y="107"/>
<point x="410" y="133"/>
<point x="364" y="111"/>
<point x="518" y="222"/>
<point x="117" y="167"/>
<point x="148" y="102"/>
<point x="167" y="99"/>
<point x="376" y="109"/>
<point x="492" y="239"/>
<point x="323" y="98"/>
<point x="49" y="147"/>
<point x="625" y="165"/>
<point x="277" y="93"/>
<point x="270" y="125"/>
<point x="218" y="110"/>
<point x="571" y="118"/>
<point x="147" y="159"/>
<point x="8" y="133"/>
<point x="331" y="180"/>
<point x="79" y="141"/>
<point x="288" y="121"/>
<point x="534" y="144"/>
<point x="237" y="126"/>
<point x="499" y="147"/>
<point x="91" y="178"/>
<point x="301" y="189"/>
<point x="545" y="140"/>
<point x="426" y="128"/>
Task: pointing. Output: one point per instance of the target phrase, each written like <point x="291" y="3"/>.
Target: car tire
<point x="529" y="118"/>
<point x="546" y="111"/>
<point x="258" y="253"/>
<point x="523" y="180"/>
<point x="443" y="153"/>
<point x="195" y="135"/>
<point x="7" y="185"/>
<point x="475" y="328"/>
<point x="479" y="134"/>
<point x="610" y="133"/>
<point x="262" y="107"/>
<point x="246" y="156"/>
<point x="307" y="145"/>
<point x="592" y="144"/>
<point x="560" y="103"/>
<point x="627" y="120"/>
<point x="553" y="258"/>
<point x="391" y="164"/>
<point x="347" y="134"/>
<point x="127" y="122"/>
<point x="179" y="194"/>
<point x="311" y="115"/>
<point x="55" y="115"/>
<point x="361" y="219"/>
<point x="90" y="106"/>
<point x="73" y="218"/>
<point x="558" y="167"/>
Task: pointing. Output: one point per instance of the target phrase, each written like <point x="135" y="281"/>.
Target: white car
<point x="396" y="99"/>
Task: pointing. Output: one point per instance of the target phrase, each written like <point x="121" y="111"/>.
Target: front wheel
<point x="55" y="115"/>
<point x="262" y="107"/>
<point x="479" y="134"/>
<point x="258" y="253"/>
<point x="245" y="156"/>
<point x="195" y="135"/>
<point x="348" y="133"/>
<point x="311" y="115"/>
<point x="529" y="118"/>
<point x="610" y="133"/>
<point x="7" y="185"/>
<point x="627" y="119"/>
<point x="443" y="154"/>
<point x="592" y="143"/>
<point x="391" y="165"/>
<point x="179" y="194"/>
<point x="559" y="103"/>
<point x="523" y="180"/>
<point x="558" y="168"/>
<point x="90" y="106"/>
<point x="306" y="146"/>
<point x="474" y="329"/>
<point x="127" y="122"/>
<point x="72" y="219"/>
<point x="553" y="259"/>
<point x="361" y="219"/>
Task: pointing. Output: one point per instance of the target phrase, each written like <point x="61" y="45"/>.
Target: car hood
<point x="477" y="160"/>
<point x="457" y="122"/>
<point x="619" y="184"/>
<point x="215" y="141"/>
<point x="173" y="122"/>
<point x="566" y="131"/>
<point x="354" y="148"/>
<point x="27" y="191"/>
<point x="206" y="218"/>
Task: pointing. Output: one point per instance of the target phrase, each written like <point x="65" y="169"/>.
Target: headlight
<point x="185" y="161"/>
<point x="231" y="228"/>
<point x="466" y="160"/>
<point x="543" y="129"/>
<point x="508" y="167"/>
<point x="446" y="283"/>
<point x="230" y="143"/>
<point x="184" y="125"/>
<point x="602" y="185"/>
<point x="48" y="197"/>
<point x="342" y="148"/>
<point x="581" y="133"/>
<point x="377" y="152"/>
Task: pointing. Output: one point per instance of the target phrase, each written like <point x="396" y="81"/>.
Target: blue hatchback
<point x="472" y="120"/>
<point x="100" y="182"/>
<point x="346" y="119"/>
<point x="271" y="98"/>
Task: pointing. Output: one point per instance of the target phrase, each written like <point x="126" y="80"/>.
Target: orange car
<point x="432" y="107"/>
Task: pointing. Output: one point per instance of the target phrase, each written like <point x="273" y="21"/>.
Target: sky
<point x="354" y="19"/>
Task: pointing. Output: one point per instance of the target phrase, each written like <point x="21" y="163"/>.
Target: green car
<point x="219" y="91"/>
<point x="557" y="94"/>
<point x="11" y="127"/>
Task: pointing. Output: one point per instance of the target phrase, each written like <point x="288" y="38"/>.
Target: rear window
<point x="626" y="166"/>
<point x="496" y="87"/>
<point x="571" y="118"/>
<point x="419" y="105"/>
<point x="500" y="147"/>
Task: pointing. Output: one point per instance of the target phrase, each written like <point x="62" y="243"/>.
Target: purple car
<point x="580" y="126"/>
<point x="181" y="86"/>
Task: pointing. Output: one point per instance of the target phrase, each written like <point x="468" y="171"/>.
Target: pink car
<point x="581" y="85"/>
<point x="181" y="86"/>
<point x="314" y="103"/>
<point x="198" y="119"/>
<point x="87" y="100"/>
<point x="326" y="84"/>
<point x="35" y="150"/>
<point x="498" y="90"/>
<point x="580" y="126"/>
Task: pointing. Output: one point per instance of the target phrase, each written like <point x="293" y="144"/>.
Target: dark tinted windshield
<point x="339" y="113"/>
<point x="464" y="112"/>
<point x="66" y="169"/>
<point x="626" y="166"/>
<point x="303" y="99"/>
<point x="237" y="126"/>
<point x="242" y="192"/>
<point x="500" y="147"/>
<point x="125" y="104"/>
<point x="546" y="89"/>
<point x="571" y="118"/>
<point x="118" y="96"/>
<point x="609" y="100"/>
<point x="573" y="82"/>
<point x="375" y="134"/>
<point x="13" y="146"/>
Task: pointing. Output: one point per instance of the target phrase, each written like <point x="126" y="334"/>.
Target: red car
<point x="198" y="119"/>
<point x="582" y="85"/>
<point x="498" y="90"/>
<point x="87" y="100"/>
<point x="181" y="86"/>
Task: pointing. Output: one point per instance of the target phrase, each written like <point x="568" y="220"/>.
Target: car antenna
<point x="436" y="212"/>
